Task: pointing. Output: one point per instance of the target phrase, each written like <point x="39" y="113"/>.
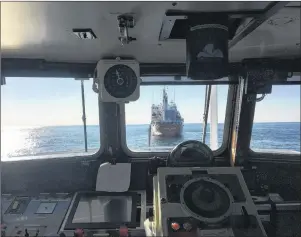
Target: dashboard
<point x="274" y="189"/>
<point x="60" y="214"/>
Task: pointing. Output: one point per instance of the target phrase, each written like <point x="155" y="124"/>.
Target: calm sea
<point x="16" y="142"/>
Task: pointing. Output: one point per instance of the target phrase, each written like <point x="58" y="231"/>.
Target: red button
<point x="123" y="231"/>
<point x="79" y="233"/>
<point x="175" y="226"/>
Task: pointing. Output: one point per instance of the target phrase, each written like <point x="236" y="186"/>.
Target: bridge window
<point x="276" y="126"/>
<point x="42" y="118"/>
<point x="149" y="128"/>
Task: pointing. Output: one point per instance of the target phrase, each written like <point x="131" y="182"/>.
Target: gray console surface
<point x="40" y="215"/>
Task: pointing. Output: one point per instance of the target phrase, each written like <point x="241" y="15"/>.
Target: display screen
<point x="103" y="209"/>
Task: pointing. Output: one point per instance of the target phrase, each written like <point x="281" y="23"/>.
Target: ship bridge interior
<point x="150" y="119"/>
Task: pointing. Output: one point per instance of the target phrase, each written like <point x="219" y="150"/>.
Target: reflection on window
<point x="276" y="125"/>
<point x="42" y="117"/>
<point x="167" y="115"/>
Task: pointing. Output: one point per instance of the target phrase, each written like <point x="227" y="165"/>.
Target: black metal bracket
<point x="179" y="20"/>
<point x="124" y="23"/>
<point x="260" y="76"/>
<point x="3" y="81"/>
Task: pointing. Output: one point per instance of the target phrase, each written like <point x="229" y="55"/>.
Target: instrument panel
<point x="39" y="215"/>
<point x="46" y="215"/>
<point x="54" y="214"/>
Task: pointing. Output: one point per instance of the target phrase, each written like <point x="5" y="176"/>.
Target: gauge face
<point x="120" y="81"/>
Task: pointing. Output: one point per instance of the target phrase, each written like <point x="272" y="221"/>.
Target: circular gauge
<point x="206" y="199"/>
<point x="120" y="81"/>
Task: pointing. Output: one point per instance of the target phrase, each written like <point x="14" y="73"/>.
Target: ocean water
<point x="24" y="142"/>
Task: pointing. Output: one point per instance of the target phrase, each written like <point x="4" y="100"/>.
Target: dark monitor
<point x="103" y="210"/>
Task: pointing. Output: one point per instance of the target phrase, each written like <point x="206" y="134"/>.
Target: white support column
<point x="213" y="119"/>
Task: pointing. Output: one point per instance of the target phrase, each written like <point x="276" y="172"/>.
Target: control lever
<point x="26" y="233"/>
<point x="3" y="228"/>
<point x="246" y="216"/>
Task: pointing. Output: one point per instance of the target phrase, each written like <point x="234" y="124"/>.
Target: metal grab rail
<point x="84" y="110"/>
<point x="206" y="111"/>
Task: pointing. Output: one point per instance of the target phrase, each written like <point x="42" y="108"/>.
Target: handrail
<point x="206" y="111"/>
<point x="84" y="114"/>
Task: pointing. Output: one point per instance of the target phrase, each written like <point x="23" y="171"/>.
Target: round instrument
<point x="206" y="199"/>
<point x="190" y="153"/>
<point x="120" y="81"/>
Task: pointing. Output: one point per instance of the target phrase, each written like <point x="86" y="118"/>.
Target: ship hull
<point x="166" y="129"/>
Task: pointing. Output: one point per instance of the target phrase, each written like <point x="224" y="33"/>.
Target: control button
<point x="79" y="233"/>
<point x="123" y="231"/>
<point x="15" y="205"/>
<point x="187" y="226"/>
<point x="175" y="226"/>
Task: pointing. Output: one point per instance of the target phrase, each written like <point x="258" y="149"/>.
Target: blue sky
<point x="57" y="101"/>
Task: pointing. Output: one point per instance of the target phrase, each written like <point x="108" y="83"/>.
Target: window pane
<point x="184" y="102"/>
<point x="276" y="125"/>
<point x="43" y="116"/>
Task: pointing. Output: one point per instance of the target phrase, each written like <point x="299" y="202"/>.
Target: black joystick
<point x="26" y="233"/>
<point x="207" y="195"/>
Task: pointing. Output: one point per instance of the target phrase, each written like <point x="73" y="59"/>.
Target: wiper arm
<point x="206" y="111"/>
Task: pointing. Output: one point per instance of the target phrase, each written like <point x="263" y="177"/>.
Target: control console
<point x="204" y="202"/>
<point x="62" y="214"/>
<point x="36" y="215"/>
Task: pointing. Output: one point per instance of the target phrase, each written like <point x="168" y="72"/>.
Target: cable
<point x="260" y="98"/>
<point x="95" y="87"/>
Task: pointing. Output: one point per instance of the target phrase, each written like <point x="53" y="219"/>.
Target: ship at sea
<point x="166" y="120"/>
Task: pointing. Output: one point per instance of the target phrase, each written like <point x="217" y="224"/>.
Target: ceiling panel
<point x="44" y="30"/>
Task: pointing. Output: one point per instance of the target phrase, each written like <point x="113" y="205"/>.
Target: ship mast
<point x="165" y="103"/>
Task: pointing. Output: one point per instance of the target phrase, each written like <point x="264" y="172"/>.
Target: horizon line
<point x="63" y="125"/>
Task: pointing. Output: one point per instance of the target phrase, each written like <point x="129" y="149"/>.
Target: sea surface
<point x="25" y="142"/>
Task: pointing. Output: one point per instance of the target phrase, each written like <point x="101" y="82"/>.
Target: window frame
<point x="146" y="154"/>
<point x="96" y="155"/>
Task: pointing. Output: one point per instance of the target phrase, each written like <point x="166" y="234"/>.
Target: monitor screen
<point x="103" y="209"/>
